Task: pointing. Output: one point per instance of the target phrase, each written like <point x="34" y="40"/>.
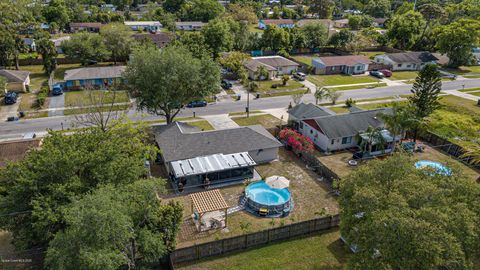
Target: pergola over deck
<point x="208" y="202"/>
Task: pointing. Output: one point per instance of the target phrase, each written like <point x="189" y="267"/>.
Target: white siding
<point x="264" y="155"/>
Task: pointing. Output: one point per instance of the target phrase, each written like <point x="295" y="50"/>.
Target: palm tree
<point x="397" y="121"/>
<point x="473" y="155"/>
<point x="374" y="137"/>
<point x="320" y="93"/>
<point x="333" y="95"/>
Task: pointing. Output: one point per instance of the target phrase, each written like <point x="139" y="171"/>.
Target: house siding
<point x="322" y="69"/>
<point x="264" y="155"/>
<point x="406" y="66"/>
<point x="324" y="143"/>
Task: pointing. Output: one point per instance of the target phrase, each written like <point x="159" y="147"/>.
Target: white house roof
<point x="143" y="23"/>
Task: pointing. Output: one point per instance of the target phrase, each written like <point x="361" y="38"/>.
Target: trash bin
<point x="21" y="114"/>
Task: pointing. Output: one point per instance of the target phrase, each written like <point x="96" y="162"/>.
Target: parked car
<point x="377" y="74"/>
<point x="197" y="103"/>
<point x="11" y="98"/>
<point x="226" y="84"/>
<point x="57" y="89"/>
<point x="299" y="76"/>
<point x="386" y="72"/>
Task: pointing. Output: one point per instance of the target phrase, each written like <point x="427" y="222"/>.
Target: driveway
<point x="8" y="110"/>
<point x="221" y="121"/>
<point x="57" y="103"/>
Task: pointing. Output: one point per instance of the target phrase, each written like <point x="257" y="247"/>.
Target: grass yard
<point x="104" y="109"/>
<point x="202" y="124"/>
<point x="337" y="109"/>
<point x="464" y="70"/>
<point x="344" y="88"/>
<point x="230" y="92"/>
<point x="242" y="113"/>
<point x="371" y="55"/>
<point x="81" y="98"/>
<point x="371" y="106"/>
<point x="475" y="94"/>
<point x="266" y="86"/>
<point x="286" y="93"/>
<point x="253" y="28"/>
<point x="469" y="89"/>
<point x="331" y="80"/>
<point x="312" y="200"/>
<point x="33" y="114"/>
<point x="37" y="76"/>
<point x="305" y="59"/>
<point x="266" y="120"/>
<point x="403" y="75"/>
<point x="28" y="102"/>
<point x="320" y="251"/>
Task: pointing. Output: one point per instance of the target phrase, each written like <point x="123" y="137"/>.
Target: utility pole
<point x="247" y="109"/>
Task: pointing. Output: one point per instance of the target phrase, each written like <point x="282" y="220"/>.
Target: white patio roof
<point x="211" y="163"/>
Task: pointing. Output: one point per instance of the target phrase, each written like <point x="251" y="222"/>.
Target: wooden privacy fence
<point x="252" y="240"/>
<point x="319" y="167"/>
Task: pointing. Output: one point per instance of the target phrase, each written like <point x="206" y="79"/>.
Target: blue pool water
<point x="262" y="193"/>
<point x="438" y="167"/>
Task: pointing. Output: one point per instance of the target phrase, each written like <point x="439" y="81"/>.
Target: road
<point x="40" y="125"/>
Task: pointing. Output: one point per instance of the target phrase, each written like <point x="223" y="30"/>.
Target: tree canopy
<point x="85" y="47"/>
<point x="117" y="40"/>
<point x="400" y="217"/>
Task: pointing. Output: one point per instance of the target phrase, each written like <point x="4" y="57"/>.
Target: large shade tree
<point x="405" y="29"/>
<point x="117" y="40"/>
<point x="164" y="81"/>
<point x="400" y="217"/>
<point x="86" y="47"/>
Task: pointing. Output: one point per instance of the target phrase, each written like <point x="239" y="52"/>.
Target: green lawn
<point x="202" y="124"/>
<point x="464" y="70"/>
<point x="371" y="55"/>
<point x="475" y="94"/>
<point x="344" y="88"/>
<point x="242" y="113"/>
<point x="266" y="120"/>
<point x="265" y="86"/>
<point x="321" y="251"/>
<point x="104" y="109"/>
<point x="403" y="75"/>
<point x="81" y="98"/>
<point x="254" y="28"/>
<point x="286" y="93"/>
<point x="341" y="109"/>
<point x="37" y="76"/>
<point x="469" y="89"/>
<point x="305" y="59"/>
<point x="28" y="102"/>
<point x="330" y="80"/>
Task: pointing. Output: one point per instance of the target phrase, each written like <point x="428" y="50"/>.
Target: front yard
<point x="403" y="75"/>
<point x="266" y="86"/>
<point x="83" y="98"/>
<point x="321" y="251"/>
<point x="331" y="80"/>
<point x="266" y="120"/>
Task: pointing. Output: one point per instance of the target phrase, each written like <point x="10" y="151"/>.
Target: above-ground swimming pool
<point x="261" y="199"/>
<point x="437" y="166"/>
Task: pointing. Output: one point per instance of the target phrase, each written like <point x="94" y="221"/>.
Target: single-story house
<point x="12" y="151"/>
<point x="108" y="7"/>
<point x="379" y="22"/>
<point x="476" y="55"/>
<point x="58" y="43"/>
<point x="151" y="26"/>
<point x="17" y="80"/>
<point x="275" y="65"/>
<point x="160" y="39"/>
<point x="30" y="44"/>
<point x="341" y="23"/>
<point x="282" y="23"/>
<point x="346" y="64"/>
<point x="194" y="158"/>
<point x="406" y="60"/>
<point x="189" y="26"/>
<point x="96" y="77"/>
<point x="306" y="111"/>
<point x="345" y="131"/>
<point x="93" y="27"/>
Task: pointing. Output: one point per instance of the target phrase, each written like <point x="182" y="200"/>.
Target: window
<point x="301" y="125"/>
<point x="311" y="131"/>
<point x="333" y="141"/>
<point x="359" y="67"/>
<point x="408" y="66"/>
<point x="346" y="140"/>
<point x="399" y="65"/>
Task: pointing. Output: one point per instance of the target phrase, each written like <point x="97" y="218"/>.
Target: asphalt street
<point x="40" y="125"/>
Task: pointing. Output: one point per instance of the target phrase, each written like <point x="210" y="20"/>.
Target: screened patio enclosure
<point x="210" y="171"/>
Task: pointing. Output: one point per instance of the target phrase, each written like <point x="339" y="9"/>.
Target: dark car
<point x="377" y="74"/>
<point x="226" y="84"/>
<point x="386" y="72"/>
<point x="11" y="98"/>
<point x="57" y="89"/>
<point x="197" y="103"/>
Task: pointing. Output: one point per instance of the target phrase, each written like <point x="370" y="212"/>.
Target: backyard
<point x="331" y="80"/>
<point x="307" y="58"/>
<point x="320" y="251"/>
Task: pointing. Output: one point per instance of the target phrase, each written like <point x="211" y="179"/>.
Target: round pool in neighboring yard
<point x="438" y="167"/>
<point x="261" y="199"/>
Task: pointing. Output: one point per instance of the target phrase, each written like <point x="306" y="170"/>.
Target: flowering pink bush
<point x="297" y="141"/>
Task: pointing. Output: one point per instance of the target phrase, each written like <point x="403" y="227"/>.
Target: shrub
<point x="42" y="96"/>
<point x="297" y="141"/>
<point x="350" y="102"/>
<point x="274" y="85"/>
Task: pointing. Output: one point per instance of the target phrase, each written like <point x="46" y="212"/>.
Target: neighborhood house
<point x="58" y="43"/>
<point x="334" y="132"/>
<point x="17" y="80"/>
<point x="347" y="64"/>
<point x="159" y="39"/>
<point x="206" y="159"/>
<point x="282" y="23"/>
<point x="274" y="66"/>
<point x="189" y="26"/>
<point x="151" y="26"/>
<point x="96" y="77"/>
<point x="88" y="26"/>
<point x="407" y="60"/>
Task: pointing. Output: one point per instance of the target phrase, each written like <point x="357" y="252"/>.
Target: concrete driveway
<point x="8" y="110"/>
<point x="57" y="103"/>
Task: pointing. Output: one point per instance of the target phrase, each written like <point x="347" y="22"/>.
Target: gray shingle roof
<point x="411" y="57"/>
<point x="15" y="75"/>
<point x="179" y="141"/>
<point x="310" y="110"/>
<point x="271" y="63"/>
<point x="94" y="73"/>
<point x="349" y="124"/>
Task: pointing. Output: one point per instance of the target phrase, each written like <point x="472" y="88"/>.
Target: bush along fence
<point x="447" y="147"/>
<point x="252" y="240"/>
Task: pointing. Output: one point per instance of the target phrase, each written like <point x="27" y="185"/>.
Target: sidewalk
<point x="461" y="94"/>
<point x="61" y="109"/>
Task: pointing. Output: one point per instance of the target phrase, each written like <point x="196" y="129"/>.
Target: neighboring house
<point x="345" y="131"/>
<point x="30" y="44"/>
<point x="306" y="111"/>
<point x="196" y="158"/>
<point x="346" y="64"/>
<point x="406" y="60"/>
<point x="93" y="27"/>
<point x="189" y="26"/>
<point x="12" y="151"/>
<point x="159" y="39"/>
<point x="443" y="59"/>
<point x="58" y="43"/>
<point x="109" y="7"/>
<point x="327" y="22"/>
<point x="379" y="22"/>
<point x="282" y="23"/>
<point x="342" y="23"/>
<point x="275" y="65"/>
<point x="17" y="80"/>
<point x="96" y="77"/>
<point x="476" y="54"/>
<point x="151" y="26"/>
